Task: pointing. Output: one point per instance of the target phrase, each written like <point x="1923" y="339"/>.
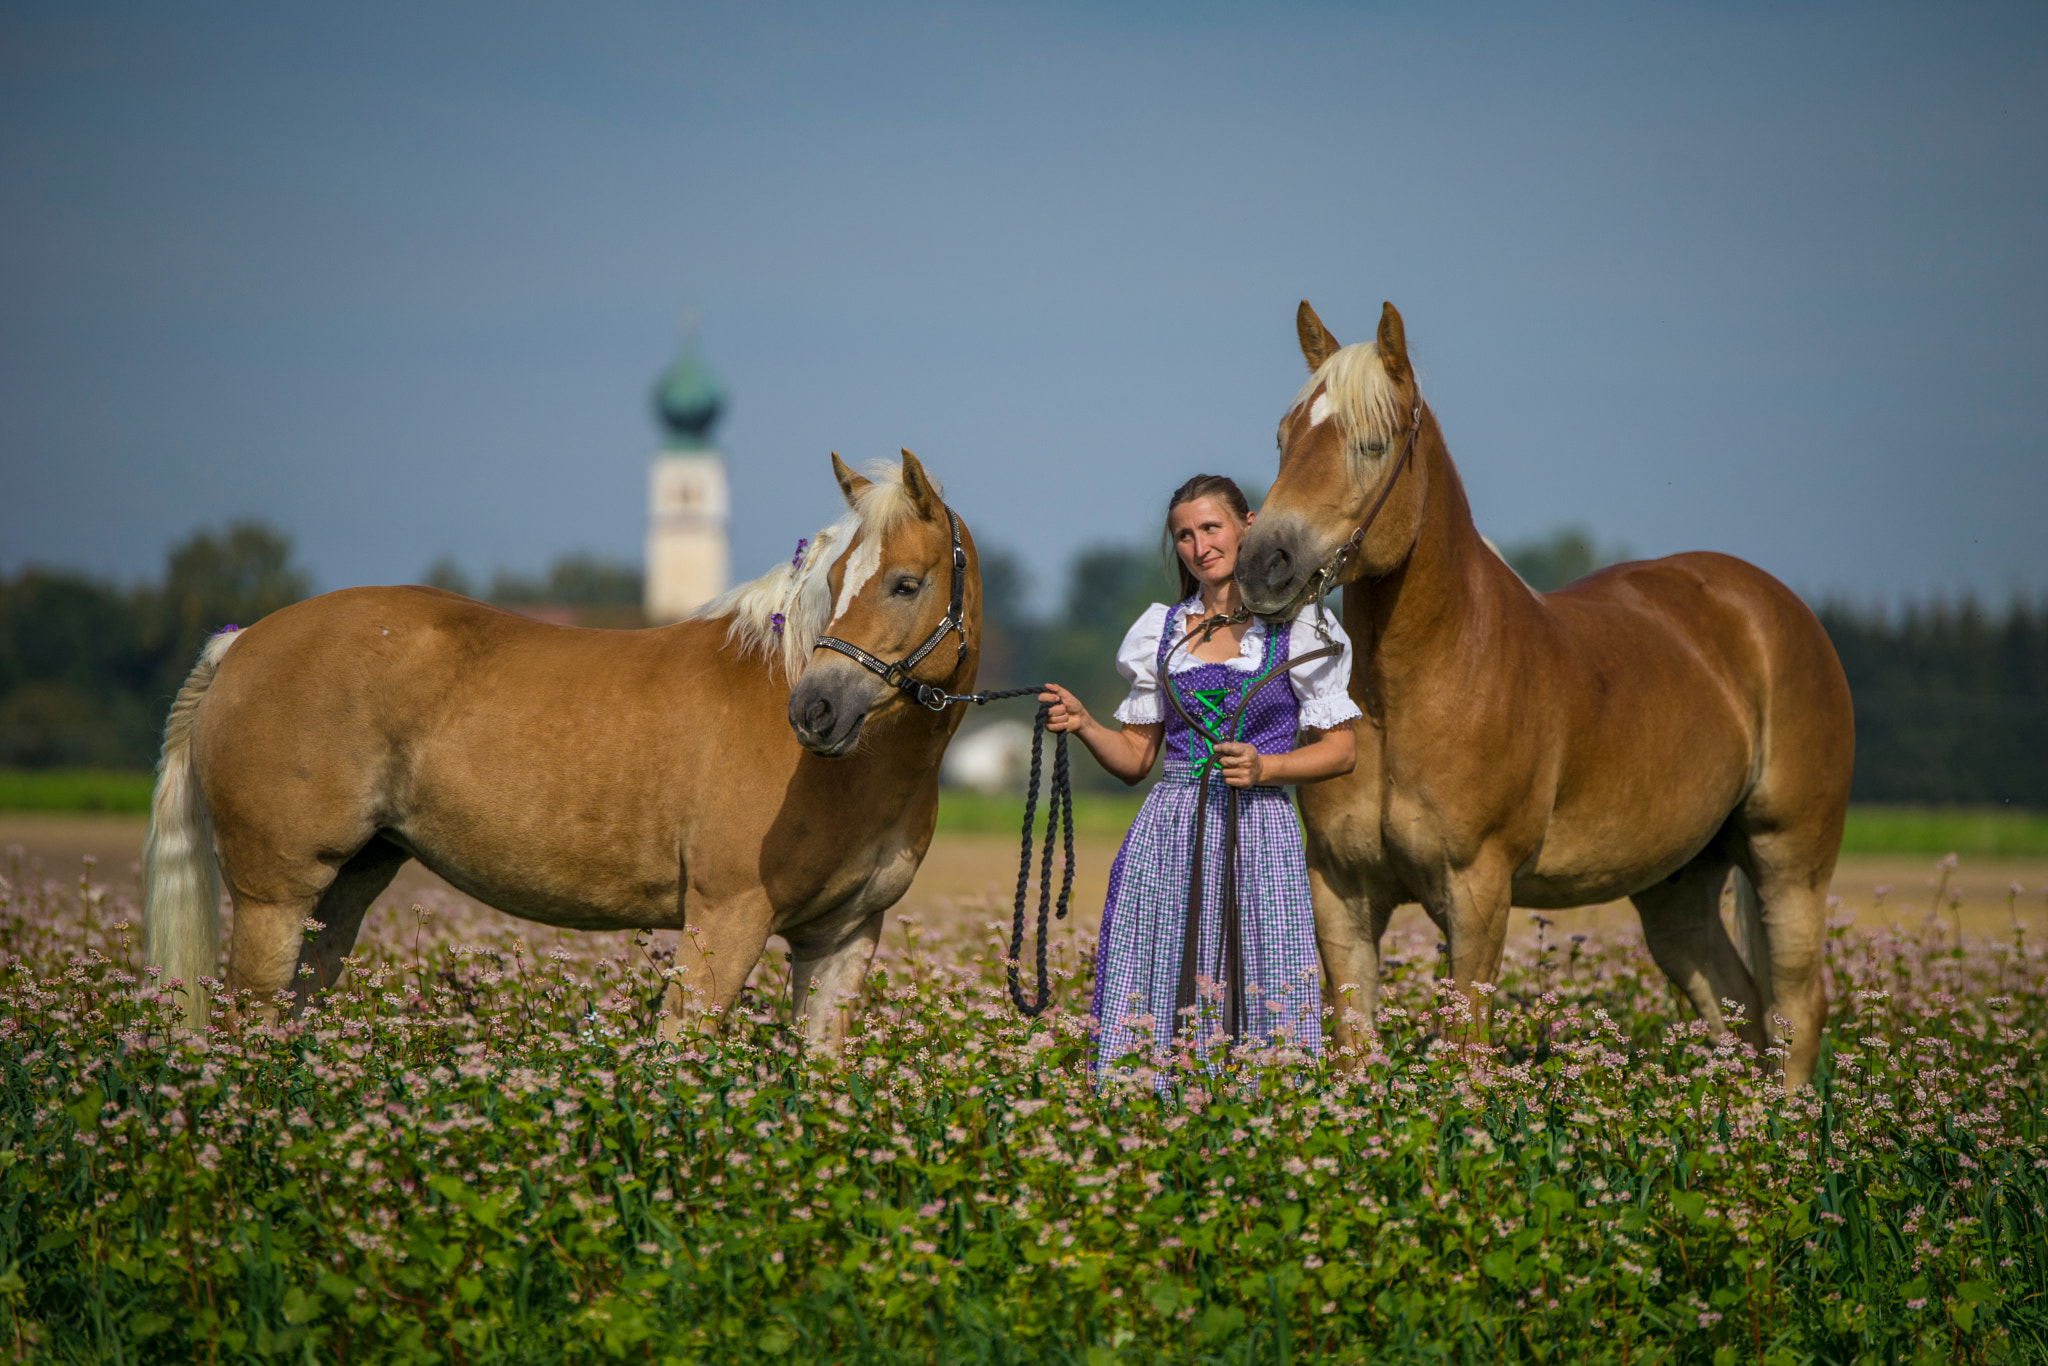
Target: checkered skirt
<point x="1137" y="966"/>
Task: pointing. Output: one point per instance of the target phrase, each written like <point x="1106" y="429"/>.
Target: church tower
<point x="687" y="503"/>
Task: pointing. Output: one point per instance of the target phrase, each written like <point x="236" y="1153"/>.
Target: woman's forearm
<point x="1125" y="754"/>
<point x="1331" y="754"/>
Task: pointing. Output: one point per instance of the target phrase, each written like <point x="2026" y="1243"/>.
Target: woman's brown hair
<point x="1224" y="491"/>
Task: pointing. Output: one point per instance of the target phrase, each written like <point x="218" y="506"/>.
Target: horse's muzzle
<point x="1270" y="568"/>
<point x="827" y="710"/>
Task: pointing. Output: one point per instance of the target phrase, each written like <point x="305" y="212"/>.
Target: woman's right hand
<point x="1066" y="712"/>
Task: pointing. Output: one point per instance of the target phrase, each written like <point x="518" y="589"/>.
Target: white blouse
<point x="1321" y="687"/>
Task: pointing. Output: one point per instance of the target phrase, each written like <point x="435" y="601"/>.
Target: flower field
<point x="473" y="1152"/>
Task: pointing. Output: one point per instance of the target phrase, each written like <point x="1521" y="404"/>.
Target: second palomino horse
<point x="579" y="778"/>
<point x="1638" y="733"/>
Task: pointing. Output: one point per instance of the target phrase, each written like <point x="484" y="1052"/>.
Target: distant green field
<point x="74" y="789"/>
<point x="1979" y="832"/>
<point x="1982" y="832"/>
<point x="1095" y="813"/>
<point x="1987" y="832"/>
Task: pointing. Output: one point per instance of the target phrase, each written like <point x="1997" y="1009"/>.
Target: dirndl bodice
<point x="1211" y="693"/>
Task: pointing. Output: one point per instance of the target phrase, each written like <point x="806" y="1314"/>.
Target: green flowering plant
<point x="472" y="1150"/>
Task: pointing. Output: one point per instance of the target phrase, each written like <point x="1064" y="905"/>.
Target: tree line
<point x="1951" y="699"/>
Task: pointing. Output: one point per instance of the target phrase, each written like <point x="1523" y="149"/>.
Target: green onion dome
<point x="687" y="402"/>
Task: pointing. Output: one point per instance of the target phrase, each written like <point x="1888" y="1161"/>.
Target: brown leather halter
<point x="1325" y="578"/>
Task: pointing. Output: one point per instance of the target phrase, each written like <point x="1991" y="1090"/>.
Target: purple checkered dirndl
<point x="1137" y="966"/>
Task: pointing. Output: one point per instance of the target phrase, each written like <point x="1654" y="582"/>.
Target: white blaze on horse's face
<point x="860" y="567"/>
<point x="1319" y="411"/>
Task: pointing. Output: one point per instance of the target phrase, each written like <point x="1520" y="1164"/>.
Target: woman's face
<point x="1205" y="534"/>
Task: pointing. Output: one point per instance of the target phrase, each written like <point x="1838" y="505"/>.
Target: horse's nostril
<point x="1277" y="567"/>
<point x="818" y="716"/>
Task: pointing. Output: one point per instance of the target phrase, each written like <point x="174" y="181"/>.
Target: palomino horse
<point x="1636" y="734"/>
<point x="579" y="778"/>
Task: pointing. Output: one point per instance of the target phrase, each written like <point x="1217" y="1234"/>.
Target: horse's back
<point x="406" y="662"/>
<point x="1725" y="616"/>
<point x="478" y="739"/>
<point x="1777" y="653"/>
<point x="1697" y="673"/>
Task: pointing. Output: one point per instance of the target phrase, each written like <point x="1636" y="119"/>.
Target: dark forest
<point x="1951" y="698"/>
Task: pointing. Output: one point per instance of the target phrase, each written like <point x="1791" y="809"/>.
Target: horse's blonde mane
<point x="1361" y="396"/>
<point x="800" y="592"/>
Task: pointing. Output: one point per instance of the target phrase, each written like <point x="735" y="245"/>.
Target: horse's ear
<point x="850" y="484"/>
<point x="1393" y="343"/>
<point x="918" y="485"/>
<point x="1317" y="345"/>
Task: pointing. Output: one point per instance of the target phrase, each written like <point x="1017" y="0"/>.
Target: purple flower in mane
<point x="796" y="561"/>
<point x="775" y="623"/>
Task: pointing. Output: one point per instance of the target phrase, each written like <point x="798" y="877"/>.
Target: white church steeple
<point x="688" y="506"/>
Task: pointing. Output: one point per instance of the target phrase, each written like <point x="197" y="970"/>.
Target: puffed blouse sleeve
<point x="1137" y="659"/>
<point x="1323" y="687"/>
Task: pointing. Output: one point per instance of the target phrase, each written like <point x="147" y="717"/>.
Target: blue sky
<point x="397" y="278"/>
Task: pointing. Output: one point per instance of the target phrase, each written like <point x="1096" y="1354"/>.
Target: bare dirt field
<point x="968" y="880"/>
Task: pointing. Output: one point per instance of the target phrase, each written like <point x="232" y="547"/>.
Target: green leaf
<point x="774" y="1340"/>
<point x="85" y="1111"/>
<point x="297" y="1306"/>
<point x="56" y="1238"/>
<point x="148" y="1325"/>
<point x="1499" y="1264"/>
<point x="1690" y="1204"/>
<point x="1218" y="1321"/>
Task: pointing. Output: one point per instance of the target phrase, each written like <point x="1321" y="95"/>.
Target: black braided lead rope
<point x="1059" y="823"/>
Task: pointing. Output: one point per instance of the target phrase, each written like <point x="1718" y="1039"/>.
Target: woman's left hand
<point x="1241" y="764"/>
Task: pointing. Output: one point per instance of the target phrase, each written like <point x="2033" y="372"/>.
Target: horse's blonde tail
<point x="180" y="878"/>
<point x="1754" y="944"/>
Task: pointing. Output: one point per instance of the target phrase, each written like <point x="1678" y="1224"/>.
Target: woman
<point x="1263" y="715"/>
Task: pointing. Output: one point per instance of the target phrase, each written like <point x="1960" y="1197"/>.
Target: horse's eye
<point x="1376" y="446"/>
<point x="907" y="588"/>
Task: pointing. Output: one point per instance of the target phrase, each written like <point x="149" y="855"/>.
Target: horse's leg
<point x="275" y="895"/>
<point x="721" y="945"/>
<point x="340" y="911"/>
<point x="1792" y="877"/>
<point x="1348" y="933"/>
<point x="263" y="949"/>
<point x="825" y="972"/>
<point x="1474" y="917"/>
<point x="1682" y="925"/>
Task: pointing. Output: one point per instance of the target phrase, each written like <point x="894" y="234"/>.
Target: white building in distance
<point x="688" y="506"/>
